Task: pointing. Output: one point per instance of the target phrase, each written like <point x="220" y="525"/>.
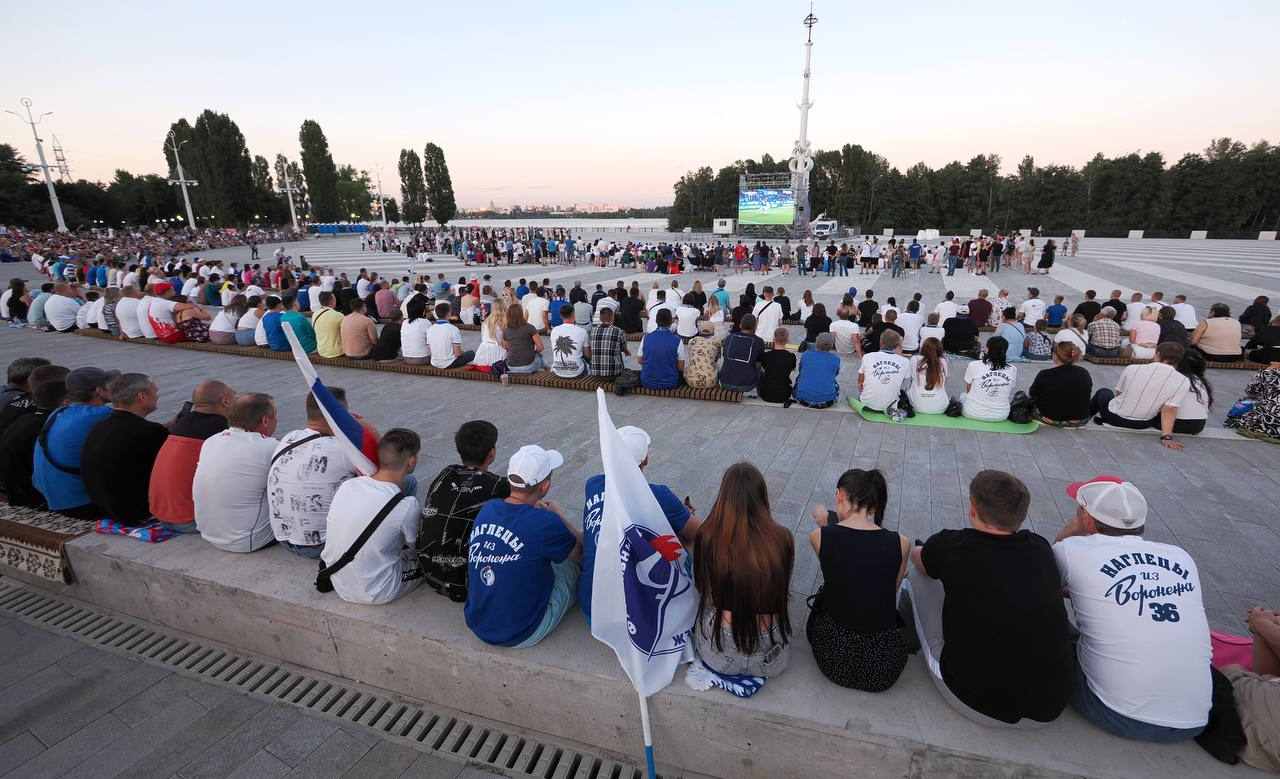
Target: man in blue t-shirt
<point x="271" y="325"/>
<point x="1056" y="313"/>
<point x="56" y="459"/>
<point x="678" y="514"/>
<point x="522" y="289"/>
<point x="661" y="355"/>
<point x="523" y="559"/>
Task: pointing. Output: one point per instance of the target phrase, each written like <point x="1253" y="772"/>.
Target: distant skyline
<point x="588" y="103"/>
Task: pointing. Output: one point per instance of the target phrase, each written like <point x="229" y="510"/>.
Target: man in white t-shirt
<point x="883" y="374"/>
<point x="658" y="302"/>
<point x="768" y="312"/>
<point x="62" y="308"/>
<point x="567" y="340"/>
<point x="326" y="281"/>
<point x="189" y="287"/>
<point x="230" y="486"/>
<point x="536" y="309"/>
<point x="1185" y="313"/>
<point x="306" y="469"/>
<point x="1145" y="394"/>
<point x="911" y="321"/>
<point x="1144" y="650"/>
<point x="127" y="312"/>
<point x="386" y="566"/>
<point x="848" y="336"/>
<point x="687" y="316"/>
<point x="445" y="342"/>
<point x="1032" y="309"/>
<point x="947" y="308"/>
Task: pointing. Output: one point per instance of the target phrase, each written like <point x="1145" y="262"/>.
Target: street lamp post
<point x="182" y="180"/>
<point x="44" y="166"/>
<point x="872" y="200"/>
<point x="287" y="188"/>
<point x="381" y="206"/>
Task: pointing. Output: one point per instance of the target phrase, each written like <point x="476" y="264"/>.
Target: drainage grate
<point x="474" y="742"/>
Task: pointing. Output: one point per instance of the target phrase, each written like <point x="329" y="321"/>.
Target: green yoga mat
<point x="944" y="421"/>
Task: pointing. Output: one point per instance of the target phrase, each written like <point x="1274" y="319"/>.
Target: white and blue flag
<point x="346" y="428"/>
<point x="643" y="602"/>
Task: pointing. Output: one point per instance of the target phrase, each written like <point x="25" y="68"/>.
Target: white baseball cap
<point x="636" y="441"/>
<point x="530" y="465"/>
<point x="1112" y="501"/>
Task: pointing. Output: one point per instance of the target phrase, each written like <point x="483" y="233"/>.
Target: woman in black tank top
<point x="854" y="628"/>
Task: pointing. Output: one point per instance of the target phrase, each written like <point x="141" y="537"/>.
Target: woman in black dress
<point x="1046" y="257"/>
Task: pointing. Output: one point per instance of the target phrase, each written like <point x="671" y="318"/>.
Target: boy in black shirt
<point x="997" y="642"/>
<point x="453" y="501"/>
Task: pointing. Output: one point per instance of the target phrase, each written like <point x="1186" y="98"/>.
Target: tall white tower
<point x="801" y="162"/>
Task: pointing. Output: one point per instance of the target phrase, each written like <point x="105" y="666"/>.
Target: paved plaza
<point x="68" y="709"/>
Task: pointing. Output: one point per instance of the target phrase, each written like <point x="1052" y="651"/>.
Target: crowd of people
<point x="696" y="337"/>
<point x="1134" y="658"/>
<point x="142" y="245"/>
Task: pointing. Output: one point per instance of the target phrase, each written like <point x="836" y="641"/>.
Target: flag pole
<point x="648" y="737"/>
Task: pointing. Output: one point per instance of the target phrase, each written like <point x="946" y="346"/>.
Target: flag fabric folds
<point x="346" y="428"/>
<point x="643" y="603"/>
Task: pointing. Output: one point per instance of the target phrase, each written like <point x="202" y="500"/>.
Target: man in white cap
<point x="1144" y="651"/>
<point x="679" y="514"/>
<point x="523" y="559"/>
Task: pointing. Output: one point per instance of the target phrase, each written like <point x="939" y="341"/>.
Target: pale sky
<point x="564" y="102"/>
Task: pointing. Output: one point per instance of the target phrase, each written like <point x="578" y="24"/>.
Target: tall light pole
<point x="381" y="206"/>
<point x="801" y="162"/>
<point x="287" y="188"/>
<point x="182" y="180"/>
<point x="44" y="166"/>
<point x="871" y="203"/>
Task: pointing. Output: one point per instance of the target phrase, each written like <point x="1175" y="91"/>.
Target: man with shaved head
<point x="175" y="465"/>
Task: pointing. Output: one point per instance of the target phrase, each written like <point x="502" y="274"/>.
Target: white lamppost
<point x="182" y="180"/>
<point x="381" y="206"/>
<point x="801" y="162"/>
<point x="44" y="166"/>
<point x="287" y="188"/>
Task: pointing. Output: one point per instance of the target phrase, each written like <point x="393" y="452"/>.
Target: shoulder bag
<point x="324" y="579"/>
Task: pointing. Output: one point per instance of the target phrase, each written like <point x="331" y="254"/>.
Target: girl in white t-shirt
<point x="1193" y="411"/>
<point x="989" y="384"/>
<point x="928" y="390"/>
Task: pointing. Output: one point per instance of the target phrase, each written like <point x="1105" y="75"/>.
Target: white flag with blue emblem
<point x="643" y="602"/>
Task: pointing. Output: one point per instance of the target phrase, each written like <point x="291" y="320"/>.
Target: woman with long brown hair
<point x="928" y="390"/>
<point x="742" y="569"/>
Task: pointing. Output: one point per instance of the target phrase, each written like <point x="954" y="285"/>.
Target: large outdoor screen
<point x="766" y="207"/>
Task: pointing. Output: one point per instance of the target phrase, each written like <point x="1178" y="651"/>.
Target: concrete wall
<point x="570" y="686"/>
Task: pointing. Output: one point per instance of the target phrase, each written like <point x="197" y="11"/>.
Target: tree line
<point x="1228" y="189"/>
<point x="235" y="188"/>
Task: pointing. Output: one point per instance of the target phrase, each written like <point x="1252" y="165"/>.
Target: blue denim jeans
<point x="563" y="590"/>
<point x="309" y="552"/>
<point x="181" y="528"/>
<point x="1091" y="708"/>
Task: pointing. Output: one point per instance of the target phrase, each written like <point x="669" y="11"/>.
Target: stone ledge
<point x="571" y="687"/>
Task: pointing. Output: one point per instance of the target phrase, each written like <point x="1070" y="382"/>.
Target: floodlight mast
<point x="44" y="165"/>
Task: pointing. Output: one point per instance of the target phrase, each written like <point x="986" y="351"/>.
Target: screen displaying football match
<point x="766" y="206"/>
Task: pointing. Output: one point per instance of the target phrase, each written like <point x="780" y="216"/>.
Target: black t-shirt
<point x="1062" y="393"/>
<point x="116" y="465"/>
<point x="1088" y="309"/>
<point x="784" y="303"/>
<point x="17" y="451"/>
<point x="388" y="346"/>
<point x="628" y="315"/>
<point x="959" y="334"/>
<point x="775" y="384"/>
<point x="453" y="501"/>
<point x="19" y="404"/>
<point x="1007" y="651"/>
<point x="577" y="295"/>
<point x="1120" y="307"/>
<point x="197" y="424"/>
<point x="742" y="353"/>
<point x="815" y="326"/>
<point x="866" y="310"/>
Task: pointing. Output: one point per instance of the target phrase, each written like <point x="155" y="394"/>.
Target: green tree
<point x="439" y="185"/>
<point x="393" y="209"/>
<point x="321" y="174"/>
<point x="353" y="194"/>
<point x="413" y="188"/>
<point x="19" y="194"/>
<point x="215" y="155"/>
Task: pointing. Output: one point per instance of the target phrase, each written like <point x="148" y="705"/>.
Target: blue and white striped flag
<point x="346" y="428"/>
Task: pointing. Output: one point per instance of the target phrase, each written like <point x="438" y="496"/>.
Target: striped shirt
<point x="1144" y="389"/>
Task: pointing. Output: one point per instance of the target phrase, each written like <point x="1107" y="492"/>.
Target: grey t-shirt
<point x="519" y="344"/>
